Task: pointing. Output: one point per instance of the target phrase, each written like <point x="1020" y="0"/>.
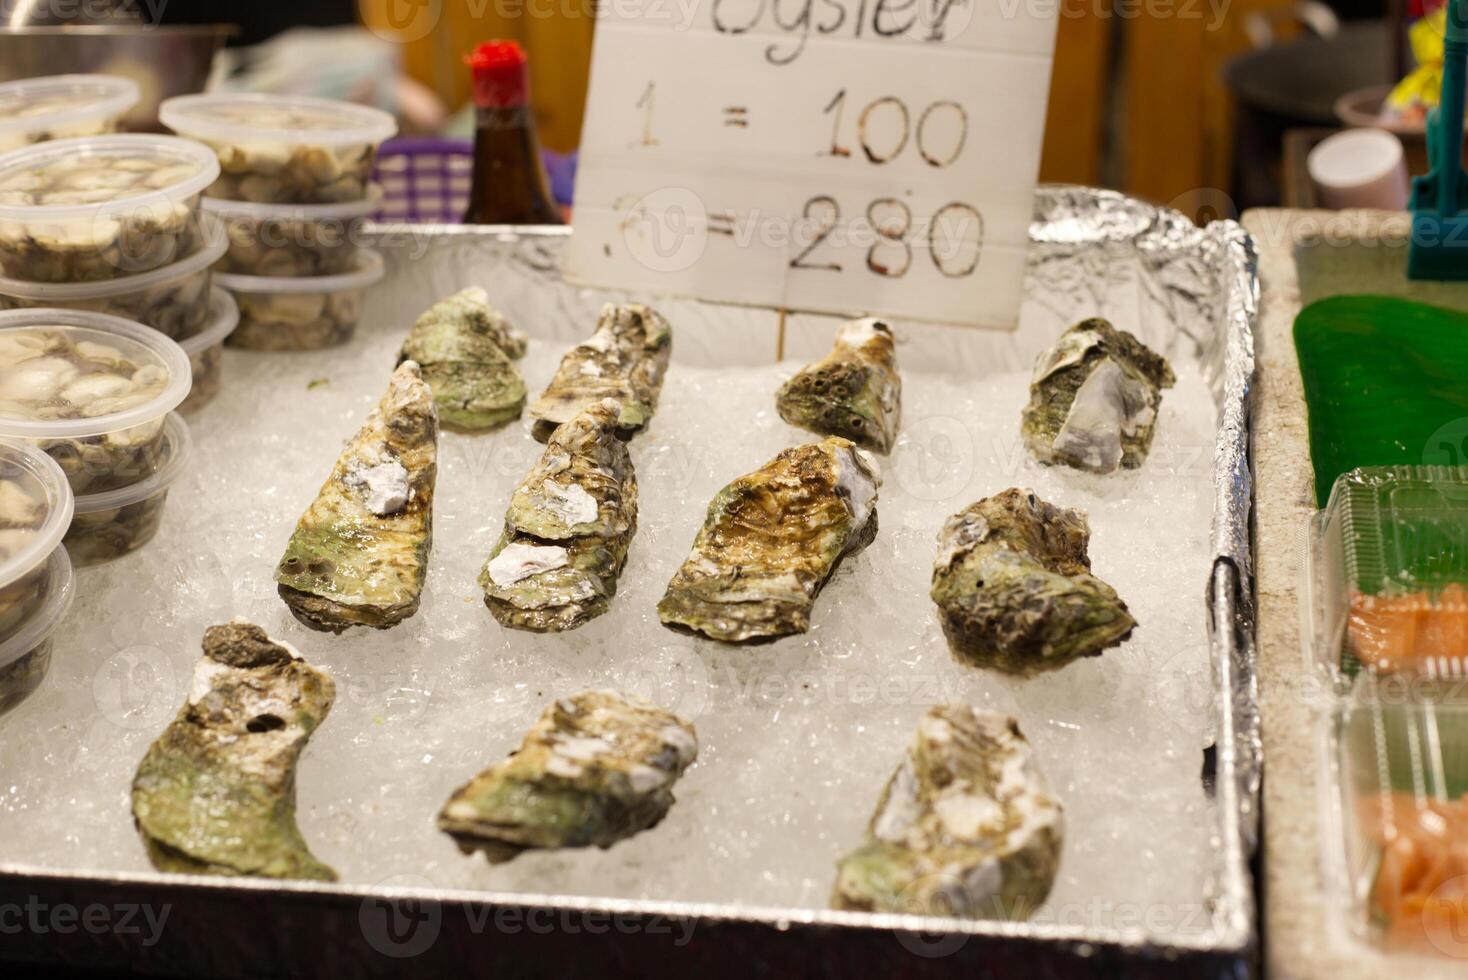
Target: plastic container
<point x="25" y="656"/>
<point x="1386" y="575"/>
<point x="35" y="510"/>
<point x="173" y="299"/>
<point x="34" y="110"/>
<point x="293" y="240"/>
<point x="206" y="350"/>
<point x="117" y="522"/>
<point x="100" y="207"/>
<point x="301" y="314"/>
<point x="280" y="149"/>
<point x="94" y="399"/>
<point x="1395" y="823"/>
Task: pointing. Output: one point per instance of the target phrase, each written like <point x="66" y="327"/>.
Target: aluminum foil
<point x="1188" y="292"/>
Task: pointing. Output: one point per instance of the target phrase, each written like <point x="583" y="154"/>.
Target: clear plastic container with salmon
<point x="1386" y="583"/>
<point x="1395" y="822"/>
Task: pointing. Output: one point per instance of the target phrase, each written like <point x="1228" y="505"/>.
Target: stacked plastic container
<point x="35" y="572"/>
<point x="34" y="110"/>
<point x="113" y="224"/>
<point x="96" y="394"/>
<point x="1385" y="617"/>
<point x="293" y="193"/>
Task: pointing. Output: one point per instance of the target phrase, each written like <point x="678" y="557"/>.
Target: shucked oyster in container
<point x="25" y="655"/>
<point x="770" y="542"/>
<point x="359" y="554"/>
<point x="854" y="392"/>
<point x="625" y="359"/>
<point x="91" y="390"/>
<point x="35" y="510"/>
<point x="216" y="793"/>
<point x="205" y="350"/>
<point x="967" y="827"/>
<point x="100" y="207"/>
<point x="112" y="523"/>
<point x="1094" y="398"/>
<point x="173" y="300"/>
<point x="292" y="240"/>
<point x="465" y="348"/>
<point x="34" y="110"/>
<point x="595" y="769"/>
<point x="1014" y="587"/>
<point x="279" y="149"/>
<point x="301" y="314"/>
<point x="567" y="531"/>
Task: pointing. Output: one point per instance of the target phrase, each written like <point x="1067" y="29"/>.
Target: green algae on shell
<point x="1094" y="399"/>
<point x="594" y="769"/>
<point x="216" y="793"/>
<point x="854" y="392"/>
<point x="568" y="528"/>
<point x="1014" y="587"/>
<point x="625" y="360"/>
<point x="771" y="540"/>
<point x="464" y="348"/>
<point x="966" y="828"/>
<point x="359" y="554"/>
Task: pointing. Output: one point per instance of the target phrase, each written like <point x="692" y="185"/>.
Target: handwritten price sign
<point x="841" y="156"/>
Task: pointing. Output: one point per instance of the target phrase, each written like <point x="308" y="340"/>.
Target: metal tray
<point x="1188" y="290"/>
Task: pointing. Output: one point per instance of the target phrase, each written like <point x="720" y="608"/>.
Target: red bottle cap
<point x="500" y="78"/>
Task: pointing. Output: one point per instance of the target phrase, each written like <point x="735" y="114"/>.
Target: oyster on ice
<point x="216" y="793"/>
<point x="967" y="827"/>
<point x="1014" y="586"/>
<point x="1094" y="398"/>
<point x="625" y="360"/>
<point x="464" y="347"/>
<point x="594" y="769"/>
<point x="359" y="554"/>
<point x="854" y="392"/>
<point x="771" y="540"/>
<point x="568" y="528"/>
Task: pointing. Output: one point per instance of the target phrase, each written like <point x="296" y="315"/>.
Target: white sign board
<point x="842" y="156"/>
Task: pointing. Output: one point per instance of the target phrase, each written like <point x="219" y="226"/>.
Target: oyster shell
<point x="967" y="826"/>
<point x="464" y="347"/>
<point x="594" y="769"/>
<point x="570" y="523"/>
<point x="359" y="554"/>
<point x="624" y="359"/>
<point x="1014" y="586"/>
<point x="216" y="793"/>
<point x="854" y="392"/>
<point x="1093" y="399"/>
<point x="771" y="540"/>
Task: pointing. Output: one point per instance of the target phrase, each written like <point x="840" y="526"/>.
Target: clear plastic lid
<point x="72" y="374"/>
<point x="60" y="589"/>
<point x="256" y="118"/>
<point x="216" y="243"/>
<point x="253" y="211"/>
<point x="37" y="104"/>
<point x="370" y="269"/>
<point x="224" y="316"/>
<point x="174" y="455"/>
<point x="35" y="508"/>
<point x="1386" y="584"/>
<point x="95" y="177"/>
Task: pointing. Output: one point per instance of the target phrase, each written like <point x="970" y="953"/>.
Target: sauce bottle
<point x="509" y="178"/>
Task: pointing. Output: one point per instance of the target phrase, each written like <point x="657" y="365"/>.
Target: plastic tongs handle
<point x="1448" y="153"/>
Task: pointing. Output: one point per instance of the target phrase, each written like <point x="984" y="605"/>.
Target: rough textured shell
<point x="854" y="392"/>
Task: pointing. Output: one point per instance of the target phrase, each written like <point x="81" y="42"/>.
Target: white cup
<point x="1360" y="168"/>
